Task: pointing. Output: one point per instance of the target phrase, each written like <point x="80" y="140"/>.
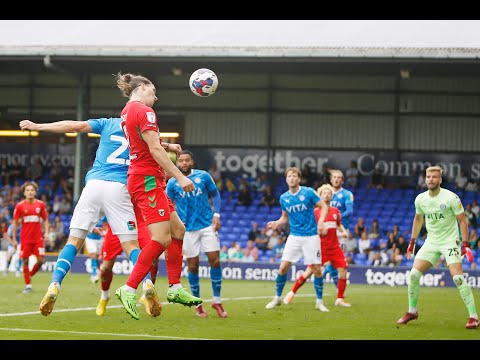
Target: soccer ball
<point x="203" y="82"/>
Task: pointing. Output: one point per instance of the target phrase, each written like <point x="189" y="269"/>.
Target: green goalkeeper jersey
<point x="440" y="215"/>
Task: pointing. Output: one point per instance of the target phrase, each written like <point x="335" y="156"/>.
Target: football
<point x="203" y="82"/>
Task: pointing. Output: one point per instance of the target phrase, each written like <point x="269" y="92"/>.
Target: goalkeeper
<point x="442" y="209"/>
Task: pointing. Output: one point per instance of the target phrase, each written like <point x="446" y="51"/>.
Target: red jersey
<point x="332" y="220"/>
<point x="30" y="214"/>
<point x="136" y="119"/>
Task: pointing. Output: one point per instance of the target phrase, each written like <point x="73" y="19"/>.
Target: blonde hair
<point x="435" y="168"/>
<point x="129" y="82"/>
<point x="324" y="187"/>
<point x="337" y="172"/>
<point x="295" y="170"/>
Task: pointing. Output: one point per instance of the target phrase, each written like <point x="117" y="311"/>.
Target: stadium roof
<point x="371" y="47"/>
<point x="384" y="39"/>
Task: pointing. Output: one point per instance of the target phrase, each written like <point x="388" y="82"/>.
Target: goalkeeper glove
<point x="411" y="247"/>
<point x="466" y="251"/>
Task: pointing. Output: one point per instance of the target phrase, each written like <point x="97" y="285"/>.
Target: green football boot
<point x="181" y="296"/>
<point x="129" y="302"/>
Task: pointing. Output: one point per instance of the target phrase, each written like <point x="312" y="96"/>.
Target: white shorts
<point x="101" y="198"/>
<point x="205" y="240"/>
<point x="306" y="246"/>
<point x="93" y="246"/>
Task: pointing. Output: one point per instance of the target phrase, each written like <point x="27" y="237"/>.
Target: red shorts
<point x="336" y="256"/>
<point x="149" y="199"/>
<point x="36" y="249"/>
<point x="112" y="246"/>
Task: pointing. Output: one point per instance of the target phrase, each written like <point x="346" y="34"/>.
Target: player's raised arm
<point x="60" y="127"/>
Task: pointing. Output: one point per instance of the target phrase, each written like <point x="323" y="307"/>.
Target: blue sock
<point x="94" y="267"/>
<point x="280" y="283"/>
<point x="134" y="254"/>
<point x="216" y="276"/>
<point x="318" y="285"/>
<point x="333" y="273"/>
<point x="64" y="262"/>
<point x="194" y="281"/>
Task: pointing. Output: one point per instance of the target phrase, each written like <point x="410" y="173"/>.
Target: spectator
<point x="35" y="172"/>
<point x="349" y="259"/>
<point x="56" y="204"/>
<point x="399" y="251"/>
<point x="232" y="250"/>
<point x="59" y="229"/>
<point x="475" y="208"/>
<point x="244" y="197"/>
<point x="261" y="241"/>
<point x="377" y="180"/>
<point x="471" y="218"/>
<point x="352" y="175"/>
<point x="471" y="185"/>
<point x="421" y="184"/>
<point x="364" y="245"/>
<point x="237" y="255"/>
<point x="273" y="239"/>
<point x="229" y="185"/>
<point x="379" y="259"/>
<point x="224" y="253"/>
<point x="374" y="232"/>
<point x="349" y="244"/>
<point x="65" y="206"/>
<point x="359" y="227"/>
<point x="277" y="250"/>
<point x="308" y="177"/>
<point x="250" y="253"/>
<point x="461" y="181"/>
<point x="473" y="239"/>
<point x="254" y="232"/>
<point x="324" y="177"/>
<point x="216" y="176"/>
<point x="268" y="199"/>
<point x="17" y="171"/>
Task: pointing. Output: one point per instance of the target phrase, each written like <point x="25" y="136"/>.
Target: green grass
<point x="373" y="314"/>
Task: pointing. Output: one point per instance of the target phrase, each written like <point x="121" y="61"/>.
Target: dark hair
<point x="187" y="152"/>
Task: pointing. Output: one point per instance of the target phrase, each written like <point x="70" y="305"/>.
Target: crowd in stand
<point x="367" y="244"/>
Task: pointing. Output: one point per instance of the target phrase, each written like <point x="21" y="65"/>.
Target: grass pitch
<point x="373" y="315"/>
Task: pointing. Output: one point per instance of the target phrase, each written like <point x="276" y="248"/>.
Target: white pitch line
<point x="163" y="303"/>
<point x="100" y="333"/>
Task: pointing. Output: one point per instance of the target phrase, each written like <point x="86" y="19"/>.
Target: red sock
<point x="173" y="259"/>
<point x="148" y="254"/>
<point x="153" y="272"/>
<point x="106" y="277"/>
<point x="342" y="284"/>
<point x="34" y="269"/>
<point x="26" y="272"/>
<point x="300" y="281"/>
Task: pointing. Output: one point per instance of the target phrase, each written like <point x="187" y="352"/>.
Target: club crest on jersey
<point x="131" y="225"/>
<point x="37" y="210"/>
<point x="443" y="206"/>
<point x="198" y="180"/>
<point x="335" y="216"/>
<point x="161" y="212"/>
<point x="340" y="196"/>
<point x="301" y="198"/>
<point x="151" y="117"/>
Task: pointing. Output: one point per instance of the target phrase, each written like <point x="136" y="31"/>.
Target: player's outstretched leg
<point x="128" y="300"/>
<point x="150" y="299"/>
<point x="48" y="301"/>
<point x="182" y="296"/>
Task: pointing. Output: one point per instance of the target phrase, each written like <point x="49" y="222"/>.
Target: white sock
<point x="129" y="289"/>
<point x="104" y="295"/>
<point x="216" y="300"/>
<point x="176" y="286"/>
<point x="57" y="284"/>
<point x="412" y="310"/>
